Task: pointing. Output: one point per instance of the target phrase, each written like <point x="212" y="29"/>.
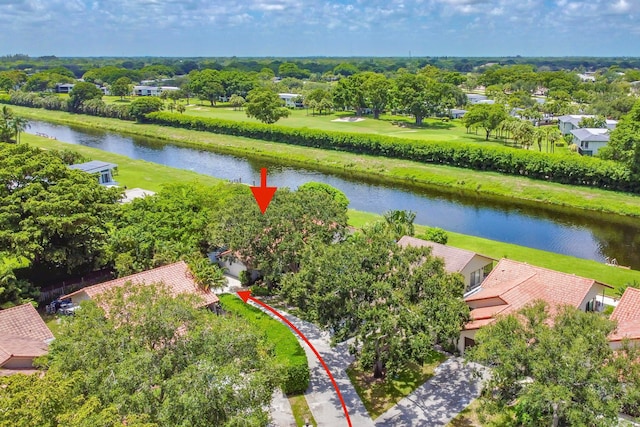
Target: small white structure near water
<point x="103" y="170"/>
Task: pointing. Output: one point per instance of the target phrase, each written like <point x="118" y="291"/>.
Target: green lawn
<point x="131" y="173"/>
<point x="379" y="395"/>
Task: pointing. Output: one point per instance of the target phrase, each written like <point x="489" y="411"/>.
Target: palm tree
<point x="6" y="124"/>
<point x="552" y="135"/>
<point x="19" y="124"/>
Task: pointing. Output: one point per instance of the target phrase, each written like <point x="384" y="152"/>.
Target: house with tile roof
<point x="513" y="285"/>
<point x="627" y="316"/>
<point x="471" y="265"/>
<point x="177" y="277"/>
<point x="23" y="337"/>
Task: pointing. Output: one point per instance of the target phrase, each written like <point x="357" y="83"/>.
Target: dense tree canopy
<point x="273" y="243"/>
<point x="142" y="357"/>
<point x="396" y="302"/>
<point x="560" y="372"/>
<point x="143" y="105"/>
<point x="50" y="214"/>
<point x="485" y="116"/>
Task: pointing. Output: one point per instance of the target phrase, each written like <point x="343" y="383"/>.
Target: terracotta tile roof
<point x="24" y="347"/>
<point x="455" y="259"/>
<point x="23" y="321"/>
<point x="177" y="277"/>
<point x="512" y="285"/>
<point x="627" y="313"/>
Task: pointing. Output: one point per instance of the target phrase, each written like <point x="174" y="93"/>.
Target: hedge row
<point x="574" y="170"/>
<point x="288" y="352"/>
<point x="51" y="101"/>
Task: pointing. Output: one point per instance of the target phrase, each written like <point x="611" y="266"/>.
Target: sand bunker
<point x="348" y="119"/>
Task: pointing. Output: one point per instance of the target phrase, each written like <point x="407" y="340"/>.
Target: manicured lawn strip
<point x="613" y="276"/>
<point x="288" y="351"/>
<point x="53" y="322"/>
<point x="443" y="178"/>
<point x="301" y="411"/>
<point x="379" y="395"/>
<point x="131" y="173"/>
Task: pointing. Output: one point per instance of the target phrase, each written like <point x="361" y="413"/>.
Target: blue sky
<point x="320" y="27"/>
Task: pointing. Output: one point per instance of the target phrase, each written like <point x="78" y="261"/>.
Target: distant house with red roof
<point x="177" y="277"/>
<point x="513" y="285"/>
<point x="471" y="265"/>
<point x="627" y="314"/>
<point x="23" y="337"/>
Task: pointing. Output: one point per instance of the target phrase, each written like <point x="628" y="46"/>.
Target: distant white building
<point x="590" y="140"/>
<point x="475" y="98"/>
<point x="457" y="114"/>
<point x="571" y="121"/>
<point x="142" y="90"/>
<point x="587" y="77"/>
<point x="64" y="87"/>
<point x="290" y="100"/>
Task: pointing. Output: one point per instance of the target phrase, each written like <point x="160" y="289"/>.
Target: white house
<point x="64" y="87"/>
<point x="512" y="285"/>
<point x="290" y="100"/>
<point x="587" y="77"/>
<point x="104" y="171"/>
<point x="475" y="98"/>
<point x="457" y="113"/>
<point x="142" y="90"/>
<point x="569" y="122"/>
<point x="471" y="265"/>
<point x="590" y="140"/>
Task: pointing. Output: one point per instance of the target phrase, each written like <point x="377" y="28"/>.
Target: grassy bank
<point x="443" y="178"/>
<point x="151" y="176"/>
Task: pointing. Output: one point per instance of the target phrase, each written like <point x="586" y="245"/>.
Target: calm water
<point x="581" y="234"/>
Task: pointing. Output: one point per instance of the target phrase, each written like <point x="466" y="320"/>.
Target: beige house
<point x="513" y="285"/>
<point x="23" y="337"/>
<point x="471" y="265"/>
<point x="627" y="314"/>
<point x="177" y="277"/>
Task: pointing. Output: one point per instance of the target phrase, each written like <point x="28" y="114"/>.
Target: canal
<point x="572" y="232"/>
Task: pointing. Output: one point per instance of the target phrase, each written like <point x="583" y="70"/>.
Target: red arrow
<point x="263" y="194"/>
<point x="246" y="295"/>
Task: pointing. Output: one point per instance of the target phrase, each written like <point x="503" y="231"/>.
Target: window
<point x="105" y="177"/>
<point x="475" y="279"/>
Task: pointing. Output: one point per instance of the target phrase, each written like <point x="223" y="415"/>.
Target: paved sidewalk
<point x="439" y="400"/>
<point x="321" y="396"/>
<point x="280" y="411"/>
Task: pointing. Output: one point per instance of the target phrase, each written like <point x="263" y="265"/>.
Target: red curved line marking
<point x="246" y="295"/>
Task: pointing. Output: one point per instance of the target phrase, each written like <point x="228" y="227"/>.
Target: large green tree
<point x="143" y="105"/>
<point x="265" y="105"/>
<point x="141" y="356"/>
<point x="485" y="116"/>
<point x="418" y="95"/>
<point x="166" y="227"/>
<point x="377" y="92"/>
<point x="206" y="85"/>
<point x="624" y="144"/>
<point x="82" y="92"/>
<point x="121" y="87"/>
<point x="50" y="214"/>
<point x="273" y="242"/>
<point x="559" y="372"/>
<point x="397" y="302"/>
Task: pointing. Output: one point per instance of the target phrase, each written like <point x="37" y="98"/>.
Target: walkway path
<point x="439" y="400"/>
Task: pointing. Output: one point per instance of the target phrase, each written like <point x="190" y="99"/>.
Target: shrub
<point x="289" y="354"/>
<point x="435" y="234"/>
